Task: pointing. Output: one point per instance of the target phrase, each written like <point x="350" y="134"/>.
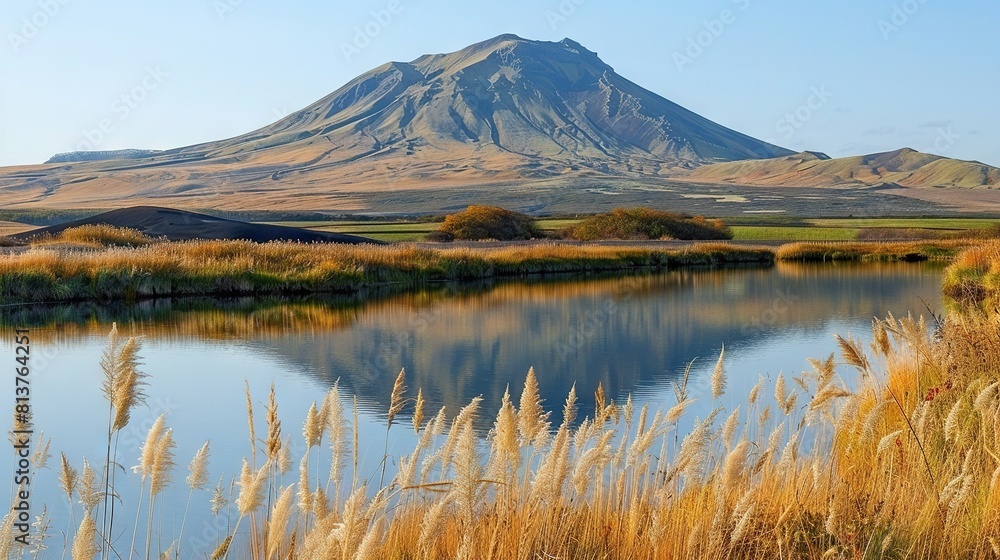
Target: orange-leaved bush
<point x="490" y="222"/>
<point x="647" y="223"/>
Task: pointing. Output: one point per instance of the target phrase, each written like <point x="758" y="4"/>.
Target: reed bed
<point x="231" y="268"/>
<point x="96" y="236"/>
<point x="912" y="251"/>
<point x="904" y="463"/>
<point x="974" y="277"/>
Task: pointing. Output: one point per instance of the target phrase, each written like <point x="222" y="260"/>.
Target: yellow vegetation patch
<point x="96" y="235"/>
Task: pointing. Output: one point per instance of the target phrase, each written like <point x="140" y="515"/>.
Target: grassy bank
<point x="904" y="465"/>
<point x="139" y="268"/>
<point x="974" y="278"/>
<point x="913" y="251"/>
<point x="228" y="268"/>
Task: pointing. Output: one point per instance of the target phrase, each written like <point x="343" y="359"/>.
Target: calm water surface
<point x="632" y="336"/>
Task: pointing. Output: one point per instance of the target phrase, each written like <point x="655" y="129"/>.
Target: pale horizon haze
<point x="846" y="78"/>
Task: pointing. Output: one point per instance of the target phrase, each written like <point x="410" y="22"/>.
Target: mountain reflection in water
<point x="631" y="335"/>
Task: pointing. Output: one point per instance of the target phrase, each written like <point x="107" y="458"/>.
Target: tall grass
<point x="911" y="251"/>
<point x="96" y="235"/>
<point x="974" y="277"/>
<point x="227" y="268"/>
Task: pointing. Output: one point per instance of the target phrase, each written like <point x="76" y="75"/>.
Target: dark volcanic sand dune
<point x="180" y="225"/>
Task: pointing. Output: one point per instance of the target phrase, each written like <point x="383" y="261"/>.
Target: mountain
<point x="905" y="167"/>
<point x="530" y="125"/>
<point x="505" y="110"/>
<point x="552" y="103"/>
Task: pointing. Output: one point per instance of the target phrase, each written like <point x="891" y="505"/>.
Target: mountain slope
<point x="905" y="167"/>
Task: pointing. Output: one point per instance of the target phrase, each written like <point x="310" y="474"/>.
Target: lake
<point x="633" y="336"/>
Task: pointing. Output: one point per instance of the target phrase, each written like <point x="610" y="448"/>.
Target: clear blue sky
<point x="889" y="73"/>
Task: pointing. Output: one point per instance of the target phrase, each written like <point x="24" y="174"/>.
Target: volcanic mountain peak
<point x="513" y="52"/>
<point x="534" y="105"/>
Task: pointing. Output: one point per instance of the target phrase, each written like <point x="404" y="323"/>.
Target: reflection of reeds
<point x="907" y="465"/>
<point x="271" y="317"/>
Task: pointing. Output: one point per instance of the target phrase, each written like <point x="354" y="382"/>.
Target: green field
<point x="794" y="233"/>
<point x="756" y="229"/>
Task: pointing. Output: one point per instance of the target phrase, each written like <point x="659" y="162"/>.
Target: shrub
<point x="490" y="222"/>
<point x="647" y="223"/>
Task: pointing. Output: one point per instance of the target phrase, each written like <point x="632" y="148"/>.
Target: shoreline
<point x="243" y="269"/>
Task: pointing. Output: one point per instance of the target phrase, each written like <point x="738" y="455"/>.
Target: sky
<point x="845" y="78"/>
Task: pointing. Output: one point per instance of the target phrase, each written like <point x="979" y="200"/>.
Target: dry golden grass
<point x="91" y="270"/>
<point x="974" y="277"/>
<point x="95" y="236"/>
<point x="905" y="465"/>
<point x="871" y="251"/>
